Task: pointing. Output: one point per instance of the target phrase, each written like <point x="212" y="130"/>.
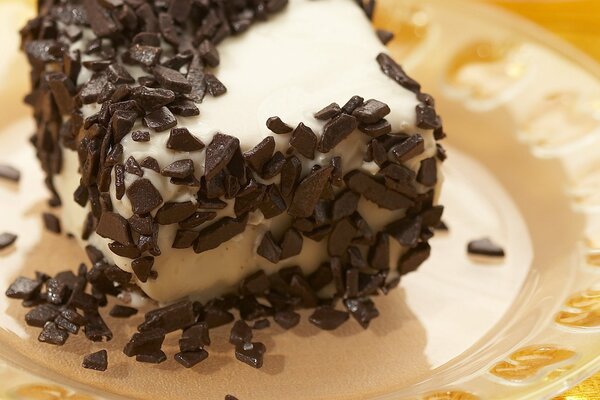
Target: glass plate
<point x="523" y="114"/>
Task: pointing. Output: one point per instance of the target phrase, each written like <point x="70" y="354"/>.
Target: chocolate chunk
<point x="260" y="154"/>
<point x="300" y="288"/>
<point x="274" y="166"/>
<point x="41" y="314"/>
<point x="230" y="397"/>
<point x="256" y="284"/>
<point x="427" y="117"/>
<point x="210" y="204"/>
<point x="172" y="213"/>
<point x="214" y="86"/>
<point x="290" y="175"/>
<point x="395" y="72"/>
<point x="209" y="53"/>
<point x="406" y="230"/>
<point x="215" y="317"/>
<point x="194" y="338"/>
<point x="179" y="169"/>
<point x="340" y="238"/>
<point x="170" y="318"/>
<point x="51" y="223"/>
<point x="9" y="173"/>
<point x="371" y="111"/>
<point x="375" y="191"/>
<point x="142" y="225"/>
<point x="327" y="318"/>
<point x="251" y="353"/>
<point x="411" y="147"/>
<point x="287" y="319"/>
<point x="171" y="79"/>
<point x="413" y="258"/>
<point x="272" y="203"/>
<point x="221" y="231"/>
<point x="181" y="139"/>
<point x="147" y="342"/>
<point x="51" y="334"/>
<point x="352" y="279"/>
<point x="218" y="154"/>
<point x="151" y="163"/>
<point x="190" y="358"/>
<point x="151" y="99"/>
<point x="240" y="333"/>
<point x="385" y="36"/>
<point x="352" y="104"/>
<point x="321" y="277"/>
<point x="128" y="251"/>
<point x="99" y="19"/>
<point x="118" y="74"/>
<point x="184" y="239"/>
<point x="140" y="136"/>
<point x="197" y="219"/>
<point x="356" y="259"/>
<point x="485" y="247"/>
<point x="160" y="120"/>
<point x="268" y="249"/>
<point x="63" y="91"/>
<point x="441" y="226"/>
<point x="147" y="56"/>
<point x="144" y="196"/>
<point x="156" y="357"/>
<point x="56" y="291"/>
<point x="115" y="227"/>
<point x="308" y="192"/>
<point x="180" y="10"/>
<point x="379" y="253"/>
<point x="363" y="310"/>
<point x="345" y="205"/>
<point x="197" y="79"/>
<point x="274" y="6"/>
<point x="427" y="174"/>
<point x="377" y="129"/>
<point x="121" y="123"/>
<point x="142" y="267"/>
<point x="7" y="239"/>
<point x="304" y="141"/>
<point x="97" y="361"/>
<point x="132" y="167"/>
<point x="73" y="316"/>
<point x="250" y="309"/>
<point x="276" y="125"/>
<point x="119" y="311"/>
<point x="336" y="130"/>
<point x="291" y="244"/>
<point x="332" y="110"/>
<point x="261" y="324"/>
<point x="119" y="181"/>
<point x="147" y="39"/>
<point x="184" y="108"/>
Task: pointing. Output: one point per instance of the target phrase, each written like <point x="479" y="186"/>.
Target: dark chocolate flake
<point x="371" y="111"/>
<point x="190" y="358"/>
<point x="258" y="156"/>
<point x="395" y="72"/>
<point x="132" y="167"/>
<point x="327" y="318"/>
<point x="385" y="36"/>
<point x="156" y="357"/>
<point x="377" y="129"/>
<point x="41" y="314"/>
<point x="485" y="247"/>
<point x="413" y="258"/>
<point x="170" y="318"/>
<point x="287" y="319"/>
<point x="304" y="141"/>
<point x="375" y="191"/>
<point x="7" y="239"/>
<point x="197" y="219"/>
<point x="291" y="244"/>
<point x="352" y="104"/>
<point x="179" y="169"/>
<point x="345" y="205"/>
<point x="268" y="249"/>
<point x="151" y="163"/>
<point x="140" y="136"/>
<point x="428" y="172"/>
<point x="172" y="80"/>
<point x="251" y="353"/>
<point x="276" y="125"/>
<point x="142" y="267"/>
<point x="332" y="110"/>
<point x="147" y="342"/>
<point x="308" y="192"/>
<point x="9" y="173"/>
<point x="119" y="311"/>
<point x="160" y="120"/>
<point x="51" y="222"/>
<point x="147" y="56"/>
<point x="341" y="237"/>
<point x="409" y="148"/>
<point x="115" y="227"/>
<point x="144" y="196"/>
<point x="172" y="213"/>
<point x="181" y="139"/>
<point x="214" y="86"/>
<point x="97" y="361"/>
<point x="219" y="232"/>
<point x="240" y="333"/>
<point x="363" y="310"/>
<point x="184" y="108"/>
<point x="151" y="99"/>
<point x="337" y="130"/>
<point x="52" y="334"/>
<point x="218" y="154"/>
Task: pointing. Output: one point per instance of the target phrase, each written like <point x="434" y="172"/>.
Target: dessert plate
<point x="523" y="113"/>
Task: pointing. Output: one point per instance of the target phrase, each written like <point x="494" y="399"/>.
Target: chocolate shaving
<point x="7" y="239"/>
<point x="276" y="125"/>
<point x="485" y="247"/>
<point x="97" y="361"/>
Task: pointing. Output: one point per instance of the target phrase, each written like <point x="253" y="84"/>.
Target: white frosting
<point x="311" y="54"/>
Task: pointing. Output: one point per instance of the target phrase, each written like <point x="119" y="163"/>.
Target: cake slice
<point x="200" y="145"/>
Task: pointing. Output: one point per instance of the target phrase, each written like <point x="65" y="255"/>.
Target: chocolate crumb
<point x="485" y="247"/>
<point x="142" y="267"/>
<point x="385" y="36"/>
<point x="144" y="196"/>
<point x="240" y="333"/>
<point x="97" y="361"/>
<point x="181" y="139"/>
<point x="276" y="125"/>
<point x="119" y="311"/>
<point x="251" y="353"/>
<point x="371" y="111"/>
<point x="336" y="130"/>
<point x="219" y="232"/>
<point x="9" y="173"/>
<point x="332" y="110"/>
<point x="304" y="141"/>
<point x="327" y="318"/>
<point x="140" y="136"/>
<point x="51" y="334"/>
<point x="160" y="120"/>
<point x="308" y="192"/>
<point x="171" y="79"/>
<point x="411" y="147"/>
<point x="7" y="239"/>
<point x="190" y="358"/>
<point x="132" y="167"/>
<point x="179" y="169"/>
<point x="51" y="222"/>
<point x="442" y="226"/>
<point x="363" y="310"/>
<point x="287" y="319"/>
<point x="352" y="104"/>
<point x="258" y="156"/>
<point x="261" y="324"/>
<point x="218" y="154"/>
<point x="268" y="249"/>
<point x="156" y="357"/>
<point x="41" y="314"/>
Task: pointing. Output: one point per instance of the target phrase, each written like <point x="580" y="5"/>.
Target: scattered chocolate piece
<point x="379" y="253"/>
<point x="172" y="213"/>
<point x="371" y="111"/>
<point x="140" y="136"/>
<point x="41" y="314"/>
<point x="377" y="129"/>
<point x="148" y="342"/>
<point x="170" y="318"/>
<point x="331" y="111"/>
<point x="336" y="130"/>
<point x="304" y="141"/>
<point x="171" y="79"/>
<point x="184" y="108"/>
<point x="308" y="192"/>
<point x="385" y="36"/>
<point x="328" y="318"/>
<point x="160" y="120"/>
<point x="442" y="226"/>
<point x="97" y="361"/>
<point x="255" y="284"/>
<point x="190" y="358"/>
<point x="219" y="153"/>
<point x="258" y="156"/>
<point x="406" y="230"/>
<point x="194" y="338"/>
<point x="240" y="333"/>
<point x="119" y="311"/>
<point x="144" y="196"/>
<point x="291" y="244"/>
<point x="428" y="172"/>
<point x="287" y="319"/>
<point x="395" y="72"/>
<point x="340" y="237"/>
<point x="114" y="226"/>
<point x="345" y="205"/>
<point x="51" y="222"/>
<point x="132" y="167"/>
<point x="151" y="163"/>
<point x="251" y="353"/>
<point x="375" y="191"/>
<point x="352" y="104"/>
<point x="9" y="173"/>
<point x="261" y="324"/>
<point x="51" y="334"/>
<point x="197" y="219"/>
<point x="363" y="310"/>
<point x="142" y="267"/>
<point x="214" y="86"/>
<point x="276" y="125"/>
<point x="23" y="288"/>
<point x="181" y="139"/>
<point x="221" y="231"/>
<point x="230" y="397"/>
<point x="485" y="247"/>
<point x="411" y="147"/>
<point x="179" y="169"/>
<point x="268" y="249"/>
<point x="7" y="239"/>
<point x="152" y="358"/>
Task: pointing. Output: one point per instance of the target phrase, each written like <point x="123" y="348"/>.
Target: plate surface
<point x="523" y="114"/>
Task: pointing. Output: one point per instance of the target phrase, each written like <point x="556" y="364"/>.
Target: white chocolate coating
<point x="311" y="54"/>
